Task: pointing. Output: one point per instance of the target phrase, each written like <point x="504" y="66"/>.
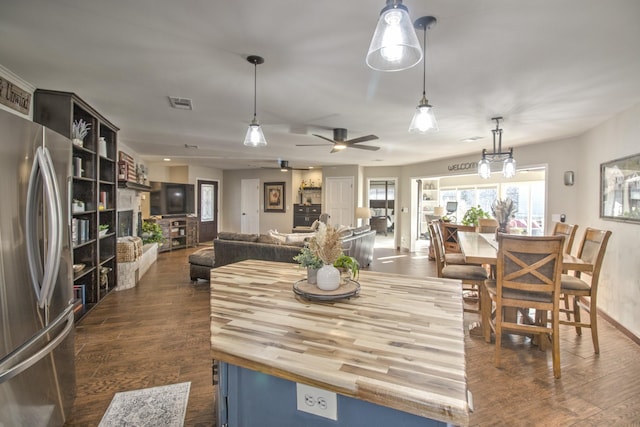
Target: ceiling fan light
<point x="394" y="45"/>
<point x="339" y="146"/>
<point x="509" y="167"/>
<point x="484" y="168"/>
<point x="254" y="136"/>
<point x="423" y="119"/>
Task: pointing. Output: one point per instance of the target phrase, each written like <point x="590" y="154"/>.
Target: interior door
<point x="207" y="210"/>
<point x="250" y="206"/>
<point x="339" y="200"/>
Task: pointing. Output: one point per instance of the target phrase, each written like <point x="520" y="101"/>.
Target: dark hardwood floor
<point x="158" y="333"/>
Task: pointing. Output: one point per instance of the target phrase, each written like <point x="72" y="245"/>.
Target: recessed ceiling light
<point x="472" y="138"/>
<point x="166" y="159"/>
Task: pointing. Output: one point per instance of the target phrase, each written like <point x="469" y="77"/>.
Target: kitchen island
<point x="393" y="353"/>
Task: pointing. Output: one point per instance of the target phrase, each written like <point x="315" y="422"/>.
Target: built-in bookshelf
<point x="93" y="189"/>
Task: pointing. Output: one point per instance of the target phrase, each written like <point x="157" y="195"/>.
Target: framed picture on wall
<point x="274" y="197"/>
<point x="620" y="189"/>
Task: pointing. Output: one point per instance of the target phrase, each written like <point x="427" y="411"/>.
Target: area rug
<point x="156" y="406"/>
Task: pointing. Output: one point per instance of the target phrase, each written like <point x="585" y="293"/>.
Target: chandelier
<point x="508" y="162"/>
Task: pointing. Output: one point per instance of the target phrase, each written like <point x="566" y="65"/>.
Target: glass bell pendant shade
<point x="394" y="46"/>
<point x="255" y="137"/>
<point x="423" y="120"/>
<point x="484" y="168"/>
<point x="509" y="167"/>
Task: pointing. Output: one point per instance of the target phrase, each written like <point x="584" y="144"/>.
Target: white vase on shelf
<point x="328" y="278"/>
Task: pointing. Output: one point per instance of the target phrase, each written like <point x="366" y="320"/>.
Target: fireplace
<point x="125" y="223"/>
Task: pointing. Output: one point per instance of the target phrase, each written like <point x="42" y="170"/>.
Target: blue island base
<point x="248" y="398"/>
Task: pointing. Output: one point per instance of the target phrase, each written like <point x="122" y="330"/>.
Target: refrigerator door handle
<point x="55" y="229"/>
<point x="43" y="280"/>
<point x="7" y="371"/>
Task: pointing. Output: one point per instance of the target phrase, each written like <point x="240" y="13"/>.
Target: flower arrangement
<point x="326" y="244"/>
<point x="80" y="129"/>
<point x="503" y="211"/>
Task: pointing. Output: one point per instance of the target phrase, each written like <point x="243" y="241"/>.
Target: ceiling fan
<point x="284" y="167"/>
<point x="340" y="141"/>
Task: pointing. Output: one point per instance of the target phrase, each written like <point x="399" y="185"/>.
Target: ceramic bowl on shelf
<point x="78" y="267"/>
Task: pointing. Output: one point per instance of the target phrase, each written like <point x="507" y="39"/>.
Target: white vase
<point x="328" y="278"/>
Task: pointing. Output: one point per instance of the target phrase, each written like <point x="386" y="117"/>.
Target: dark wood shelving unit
<point x="94" y="184"/>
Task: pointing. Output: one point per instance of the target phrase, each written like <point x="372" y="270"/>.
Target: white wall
<point x="281" y="221"/>
<point x="619" y="291"/>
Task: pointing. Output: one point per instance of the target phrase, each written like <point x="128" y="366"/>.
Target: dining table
<point x="482" y="248"/>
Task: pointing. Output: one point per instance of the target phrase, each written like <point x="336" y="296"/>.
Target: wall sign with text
<point x="14" y="97"/>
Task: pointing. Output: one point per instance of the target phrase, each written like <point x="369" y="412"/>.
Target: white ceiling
<point x="552" y="69"/>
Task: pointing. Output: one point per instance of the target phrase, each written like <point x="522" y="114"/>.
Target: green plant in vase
<point x="349" y="264"/>
<point x="309" y="260"/>
<point x="472" y="215"/>
<point x="152" y="233"/>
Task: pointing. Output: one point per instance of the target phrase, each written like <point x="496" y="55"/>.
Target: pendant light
<point x="255" y="137"/>
<point x="394" y="45"/>
<point x="423" y="119"/>
<point x="508" y="162"/>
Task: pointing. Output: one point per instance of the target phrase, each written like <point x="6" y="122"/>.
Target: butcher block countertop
<point x="399" y="344"/>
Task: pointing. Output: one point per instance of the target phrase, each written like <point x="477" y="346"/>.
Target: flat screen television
<point x="169" y="198"/>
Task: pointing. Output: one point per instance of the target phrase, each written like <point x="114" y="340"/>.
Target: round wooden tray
<point x="313" y="293"/>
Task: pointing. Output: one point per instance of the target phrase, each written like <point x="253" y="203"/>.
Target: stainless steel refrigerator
<point x="37" y="370"/>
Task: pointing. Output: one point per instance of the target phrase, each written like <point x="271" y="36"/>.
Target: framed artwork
<point x="274" y="197"/>
<point x="620" y="189"/>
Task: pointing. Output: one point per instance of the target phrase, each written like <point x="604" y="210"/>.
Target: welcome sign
<point x="14" y="97"/>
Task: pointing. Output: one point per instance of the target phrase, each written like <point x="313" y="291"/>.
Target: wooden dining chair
<point x="528" y="277"/>
<point x="451" y="257"/>
<point x="472" y="276"/>
<point x="487" y="225"/>
<point x="569" y="233"/>
<point x="592" y="249"/>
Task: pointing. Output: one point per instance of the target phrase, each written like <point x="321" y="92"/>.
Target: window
<point x="529" y="196"/>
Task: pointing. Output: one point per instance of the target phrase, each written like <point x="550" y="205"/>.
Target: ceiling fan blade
<point x="365" y="147"/>
<point x="361" y="139"/>
<point x="324" y="137"/>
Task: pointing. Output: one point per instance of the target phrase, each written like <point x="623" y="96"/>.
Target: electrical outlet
<point x="317" y="401"/>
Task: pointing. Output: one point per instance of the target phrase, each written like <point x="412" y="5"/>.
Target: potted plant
<point x="103" y="229"/>
<point x="79" y="130"/>
<point x="152" y="233"/>
<point x="349" y="265"/>
<point x="306" y="258"/>
<point x="472" y="216"/>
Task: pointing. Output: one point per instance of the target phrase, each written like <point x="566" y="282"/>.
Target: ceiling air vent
<point x="181" y="103"/>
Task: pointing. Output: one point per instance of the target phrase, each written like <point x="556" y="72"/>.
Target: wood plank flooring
<point x="158" y="333"/>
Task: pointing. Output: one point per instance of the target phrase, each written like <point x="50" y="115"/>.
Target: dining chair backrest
<point x="592" y="250"/>
<point x="531" y="266"/>
<point x="487" y="225"/>
<point x="438" y="248"/>
<point x="569" y="233"/>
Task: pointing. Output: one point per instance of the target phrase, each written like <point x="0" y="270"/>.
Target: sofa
<point x="231" y="247"/>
